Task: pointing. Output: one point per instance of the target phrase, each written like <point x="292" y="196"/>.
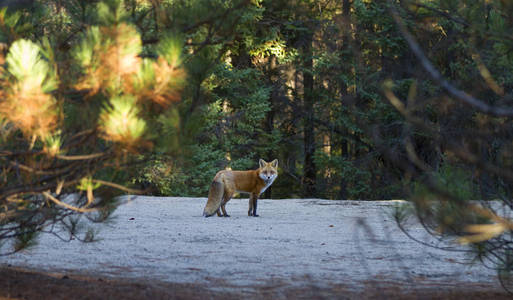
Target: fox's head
<point x="268" y="171"/>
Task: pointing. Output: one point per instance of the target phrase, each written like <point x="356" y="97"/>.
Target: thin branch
<point x="29" y="169"/>
<point x="443" y="13"/>
<point x="118" y="186"/>
<point x="66" y="205"/>
<point x="81" y="157"/>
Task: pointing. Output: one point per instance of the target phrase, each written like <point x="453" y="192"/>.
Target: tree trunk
<point x="309" y="175"/>
<point x="272" y="74"/>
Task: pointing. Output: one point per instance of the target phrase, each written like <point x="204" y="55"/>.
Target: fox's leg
<point x="253" y="205"/>
<point x="226" y="198"/>
<point x="255" y="199"/>
<point x="224" y="211"/>
<point x="250" y="210"/>
<point x="218" y="212"/>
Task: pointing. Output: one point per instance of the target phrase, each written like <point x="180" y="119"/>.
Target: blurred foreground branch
<point x="474" y="157"/>
<point x="73" y="123"/>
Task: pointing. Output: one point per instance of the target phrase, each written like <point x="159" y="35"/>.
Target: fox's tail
<point x="215" y="195"/>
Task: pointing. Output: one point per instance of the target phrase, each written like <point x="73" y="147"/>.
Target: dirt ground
<point x="20" y="284"/>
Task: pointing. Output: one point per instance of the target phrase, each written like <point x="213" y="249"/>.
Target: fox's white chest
<point x="267" y="185"/>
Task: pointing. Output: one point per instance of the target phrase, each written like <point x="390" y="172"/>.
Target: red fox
<point x="226" y="183"/>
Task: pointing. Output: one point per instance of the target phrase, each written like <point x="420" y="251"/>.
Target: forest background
<point x="306" y="82"/>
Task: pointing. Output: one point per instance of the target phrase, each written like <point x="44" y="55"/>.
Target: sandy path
<point x="292" y="242"/>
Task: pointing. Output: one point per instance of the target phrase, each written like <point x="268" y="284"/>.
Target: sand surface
<point x="293" y="242"/>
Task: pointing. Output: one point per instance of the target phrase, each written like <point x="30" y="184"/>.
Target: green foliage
<point x="120" y="119"/>
<point x="111" y="12"/>
<point x="84" y="52"/>
<point x="170" y="48"/>
<point x="357" y="180"/>
<point x="453" y="179"/>
<point x="12" y="24"/>
<point x="26" y="65"/>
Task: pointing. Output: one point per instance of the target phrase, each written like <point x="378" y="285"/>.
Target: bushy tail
<point x="215" y="195"/>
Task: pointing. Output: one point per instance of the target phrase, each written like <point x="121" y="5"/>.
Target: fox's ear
<point x="274" y="163"/>
<point x="262" y="163"/>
